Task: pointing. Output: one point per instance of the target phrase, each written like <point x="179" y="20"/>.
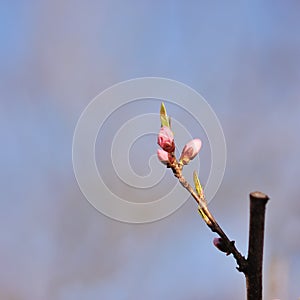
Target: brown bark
<point x="253" y="274"/>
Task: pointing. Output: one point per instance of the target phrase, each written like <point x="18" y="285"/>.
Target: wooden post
<point x="253" y="274"/>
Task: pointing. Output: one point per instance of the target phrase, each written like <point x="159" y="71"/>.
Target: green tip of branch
<point x="199" y="189"/>
<point x="204" y="216"/>
<point x="163" y="109"/>
<point x="198" y="186"/>
<point x="164" y="119"/>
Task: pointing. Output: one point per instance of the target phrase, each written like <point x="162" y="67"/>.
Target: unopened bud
<point x="163" y="156"/>
<point x="166" y="139"/>
<point x="219" y="243"/>
<point x="190" y="150"/>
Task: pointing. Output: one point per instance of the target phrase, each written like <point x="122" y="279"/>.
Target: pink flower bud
<point x="163" y="156"/>
<point x="190" y="150"/>
<point x="166" y="139"/>
<point x="218" y="242"/>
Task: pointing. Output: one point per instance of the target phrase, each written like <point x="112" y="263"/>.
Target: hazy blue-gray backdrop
<point x="55" y="56"/>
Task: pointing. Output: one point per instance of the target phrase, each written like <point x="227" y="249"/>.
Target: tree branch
<point x="211" y="221"/>
<point x="252" y="266"/>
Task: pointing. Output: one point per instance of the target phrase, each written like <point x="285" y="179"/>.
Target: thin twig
<point x="211" y="223"/>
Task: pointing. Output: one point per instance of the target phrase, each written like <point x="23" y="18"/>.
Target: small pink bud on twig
<point x="190" y="150"/>
<point x="219" y="243"/>
<point x="166" y="139"/>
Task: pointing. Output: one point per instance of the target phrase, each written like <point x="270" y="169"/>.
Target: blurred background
<point x="56" y="56"/>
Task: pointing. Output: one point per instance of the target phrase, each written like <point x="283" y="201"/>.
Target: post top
<point x="259" y="195"/>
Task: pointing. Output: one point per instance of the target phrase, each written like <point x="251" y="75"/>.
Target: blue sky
<point x="55" y="57"/>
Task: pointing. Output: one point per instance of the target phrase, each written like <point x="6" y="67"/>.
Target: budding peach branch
<point x="252" y="266"/>
<point x="167" y="156"/>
